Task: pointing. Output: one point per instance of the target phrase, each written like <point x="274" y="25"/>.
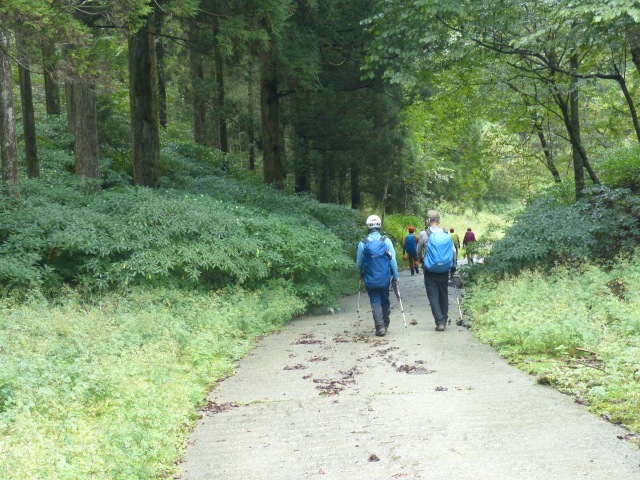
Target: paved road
<point x="325" y="399"/>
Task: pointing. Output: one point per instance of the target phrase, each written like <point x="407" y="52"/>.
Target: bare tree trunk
<point x="198" y="102"/>
<point x="28" y="117"/>
<point x="221" y="119"/>
<point x="162" y="83"/>
<point x="85" y="129"/>
<point x="324" y="190"/>
<point x="356" y="199"/>
<point x="273" y="170"/>
<point x="574" y="128"/>
<point x="630" y="103"/>
<point x="51" y="87"/>
<point x="633" y="37"/>
<point x="8" y="137"/>
<point x="143" y="99"/>
<point x="548" y="156"/>
<point x="250" y="113"/>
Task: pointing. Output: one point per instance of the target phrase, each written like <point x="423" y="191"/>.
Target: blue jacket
<point x="375" y="235"/>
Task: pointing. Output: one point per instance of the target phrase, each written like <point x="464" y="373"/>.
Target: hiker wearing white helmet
<point x="376" y="260"/>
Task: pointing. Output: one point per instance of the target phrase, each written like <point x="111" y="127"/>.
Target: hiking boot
<point x="440" y="328"/>
<point x="381" y="332"/>
<point x="417" y="270"/>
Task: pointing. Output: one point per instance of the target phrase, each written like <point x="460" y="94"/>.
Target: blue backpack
<point x="439" y="257"/>
<point x="410" y="245"/>
<point x="376" y="268"/>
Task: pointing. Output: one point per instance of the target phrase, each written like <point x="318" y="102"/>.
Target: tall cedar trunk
<point x="302" y="171"/>
<point x="162" y="82"/>
<point x="143" y="100"/>
<point x="574" y="98"/>
<point x="250" y="113"/>
<point x="196" y="68"/>
<point x="324" y="191"/>
<point x="85" y="129"/>
<point x="68" y="97"/>
<point x="273" y="171"/>
<point x="51" y="87"/>
<point x="28" y="117"/>
<point x="633" y="37"/>
<point x="221" y="118"/>
<point x="356" y="200"/>
<point x="548" y="156"/>
<point x="8" y="137"/>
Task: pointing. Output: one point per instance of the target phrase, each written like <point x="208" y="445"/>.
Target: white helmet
<point x="374" y="222"/>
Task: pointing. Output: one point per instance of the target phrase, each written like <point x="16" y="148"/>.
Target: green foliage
<point x="547" y="232"/>
<point x="620" y="167"/>
<point x="237" y="234"/>
<point x="109" y="390"/>
<point x="576" y="328"/>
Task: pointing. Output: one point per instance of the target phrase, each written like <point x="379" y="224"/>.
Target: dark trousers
<point x="438" y="295"/>
<point x="380" y="305"/>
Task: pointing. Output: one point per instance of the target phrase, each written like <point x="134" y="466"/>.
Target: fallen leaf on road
<point x="373" y="458"/>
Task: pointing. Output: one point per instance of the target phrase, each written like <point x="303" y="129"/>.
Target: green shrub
<point x="577" y="328"/>
<point x="67" y="234"/>
<point x="620" y="167"/>
<point x="548" y="233"/>
<point x="110" y="390"/>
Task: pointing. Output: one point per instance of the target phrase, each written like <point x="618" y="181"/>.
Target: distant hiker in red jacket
<point x="469" y="237"/>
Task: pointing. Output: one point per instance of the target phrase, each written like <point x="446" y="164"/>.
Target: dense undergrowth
<point x="559" y="297"/>
<point x="120" y="307"/>
<point x="109" y="389"/>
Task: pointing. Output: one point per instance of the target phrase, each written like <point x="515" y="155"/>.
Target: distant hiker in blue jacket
<point x="436" y="247"/>
<point x="410" y="249"/>
<point x="376" y="259"/>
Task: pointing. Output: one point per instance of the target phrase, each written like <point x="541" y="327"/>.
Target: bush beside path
<point x="325" y="398"/>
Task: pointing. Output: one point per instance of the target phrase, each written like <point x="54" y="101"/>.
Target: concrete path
<point x="325" y="399"/>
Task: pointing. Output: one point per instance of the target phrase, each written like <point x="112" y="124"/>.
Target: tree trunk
<point x="162" y="83"/>
<point x="356" y="199"/>
<point x="324" y="190"/>
<point x="633" y="37"/>
<point x="630" y="103"/>
<point x="250" y="114"/>
<point x="302" y="170"/>
<point x="28" y="117"/>
<point x="273" y="170"/>
<point x="198" y="102"/>
<point x="8" y="137"/>
<point x="574" y="127"/>
<point x="143" y="100"/>
<point x="51" y="88"/>
<point x="85" y="129"/>
<point x="548" y="156"/>
<point x="221" y="119"/>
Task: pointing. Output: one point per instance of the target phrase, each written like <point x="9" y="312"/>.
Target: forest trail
<point x="325" y="399"/>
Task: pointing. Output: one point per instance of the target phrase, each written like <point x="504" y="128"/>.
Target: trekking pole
<point x="458" y="300"/>
<point x="397" y="292"/>
<point x="359" y="288"/>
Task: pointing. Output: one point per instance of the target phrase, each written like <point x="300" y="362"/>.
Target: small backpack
<point x="439" y="257"/>
<point x="410" y="245"/>
<point x="376" y="268"/>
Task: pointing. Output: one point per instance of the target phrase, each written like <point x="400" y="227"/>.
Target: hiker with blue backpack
<point x="410" y="249"/>
<point x="376" y="260"/>
<point x="436" y="248"/>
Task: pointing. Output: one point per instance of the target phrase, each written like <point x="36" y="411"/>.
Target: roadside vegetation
<point x="558" y="296"/>
<point x="121" y="309"/>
